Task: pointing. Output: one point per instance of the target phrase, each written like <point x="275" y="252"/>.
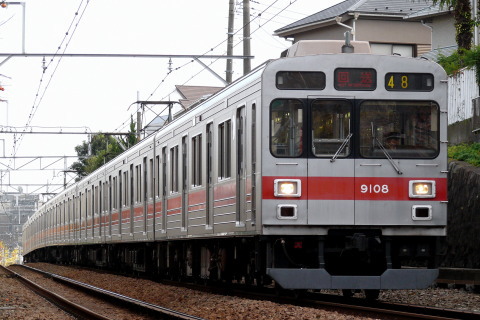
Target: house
<point x="441" y="22"/>
<point x="192" y="95"/>
<point x="380" y="22"/>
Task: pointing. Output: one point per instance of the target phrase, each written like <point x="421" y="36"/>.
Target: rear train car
<point x="318" y="171"/>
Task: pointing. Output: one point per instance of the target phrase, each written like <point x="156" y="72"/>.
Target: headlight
<point x="287" y="188"/>
<point x="422" y="189"/>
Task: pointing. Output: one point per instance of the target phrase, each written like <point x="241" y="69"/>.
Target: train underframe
<point x="346" y="259"/>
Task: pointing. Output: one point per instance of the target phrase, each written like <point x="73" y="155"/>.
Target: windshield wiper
<point x="342" y="146"/>
<point x="389" y="157"/>
<point x="385" y="152"/>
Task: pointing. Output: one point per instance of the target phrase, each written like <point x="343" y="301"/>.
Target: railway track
<point x="325" y="301"/>
<point x="59" y="301"/>
<point x="138" y="307"/>
<point x="321" y="300"/>
<point x="391" y="309"/>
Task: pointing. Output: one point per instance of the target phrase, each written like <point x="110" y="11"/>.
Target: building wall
<point x="393" y="32"/>
<point x="375" y="31"/>
<point x="443" y="32"/>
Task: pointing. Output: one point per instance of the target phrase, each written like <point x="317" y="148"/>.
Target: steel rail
<point x="399" y="310"/>
<point x="321" y="300"/>
<point x="64" y="304"/>
<point x="149" y="308"/>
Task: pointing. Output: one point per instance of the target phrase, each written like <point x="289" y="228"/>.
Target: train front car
<point x="354" y="171"/>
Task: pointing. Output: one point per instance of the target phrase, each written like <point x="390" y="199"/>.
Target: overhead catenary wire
<point x="66" y="41"/>
<point x="258" y="16"/>
<point x="39" y="94"/>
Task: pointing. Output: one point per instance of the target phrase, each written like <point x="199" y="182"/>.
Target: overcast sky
<point x="94" y="94"/>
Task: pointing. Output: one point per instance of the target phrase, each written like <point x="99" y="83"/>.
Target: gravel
<point x="19" y="303"/>
<point x="219" y="307"/>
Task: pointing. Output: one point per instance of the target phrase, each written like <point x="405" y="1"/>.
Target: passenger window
<point x="174" y="169"/>
<point x="224" y="149"/>
<point x="286" y="128"/>
<point x="197" y="160"/>
<point x="331" y="128"/>
<point x="405" y="129"/>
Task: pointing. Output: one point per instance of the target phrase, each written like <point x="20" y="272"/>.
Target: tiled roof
<point x="370" y="7"/>
<point x="428" y="12"/>
<point x="326" y="14"/>
<point x="390" y="7"/>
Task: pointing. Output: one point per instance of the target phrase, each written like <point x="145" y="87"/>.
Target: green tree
<point x="99" y="150"/>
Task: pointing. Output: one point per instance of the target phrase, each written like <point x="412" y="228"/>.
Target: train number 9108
<point x="374" y="188"/>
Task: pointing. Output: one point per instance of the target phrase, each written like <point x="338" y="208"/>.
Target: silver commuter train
<point x="318" y="171"/>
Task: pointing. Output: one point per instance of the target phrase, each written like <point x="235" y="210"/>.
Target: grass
<point x="465" y="152"/>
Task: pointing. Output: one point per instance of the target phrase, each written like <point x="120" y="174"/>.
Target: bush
<point x="466" y="152"/>
<point x="461" y="59"/>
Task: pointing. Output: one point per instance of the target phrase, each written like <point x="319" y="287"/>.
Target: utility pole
<point x="231" y="17"/>
<point x="246" y="36"/>
<point x="139" y="125"/>
<point x="139" y="117"/>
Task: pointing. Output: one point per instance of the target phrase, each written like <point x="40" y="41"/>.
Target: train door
<point x="100" y="206"/>
<point x="253" y="159"/>
<point x="209" y="178"/>
<point x="330" y="170"/>
<point x="121" y="182"/>
<point x="145" y="192"/>
<point x="240" y="168"/>
<point x="150" y="208"/>
<point x="164" y="190"/>
<point x="110" y="205"/>
<point x="131" y="199"/>
<point x="184" y="184"/>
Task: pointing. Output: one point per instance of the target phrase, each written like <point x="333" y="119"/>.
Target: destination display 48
<point x="409" y="81"/>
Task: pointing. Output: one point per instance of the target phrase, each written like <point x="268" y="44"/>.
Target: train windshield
<point x="331" y="127"/>
<point x="286" y="127"/>
<point x="405" y="129"/>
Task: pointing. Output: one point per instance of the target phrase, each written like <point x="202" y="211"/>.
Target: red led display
<point x="355" y="79"/>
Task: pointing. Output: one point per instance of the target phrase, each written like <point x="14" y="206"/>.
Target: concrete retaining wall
<point x="463" y="239"/>
<point x="461" y="132"/>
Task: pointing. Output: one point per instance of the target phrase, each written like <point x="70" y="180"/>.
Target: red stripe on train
<point x="350" y="188"/>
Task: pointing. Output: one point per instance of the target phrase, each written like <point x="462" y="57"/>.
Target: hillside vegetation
<point x="469" y="153"/>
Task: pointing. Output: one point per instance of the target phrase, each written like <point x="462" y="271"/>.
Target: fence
<point x="462" y="89"/>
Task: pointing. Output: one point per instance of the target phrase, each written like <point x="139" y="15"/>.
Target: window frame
<point x="423" y="152"/>
<point x="224" y="167"/>
<point x="302" y="129"/>
<point x="196" y="163"/>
